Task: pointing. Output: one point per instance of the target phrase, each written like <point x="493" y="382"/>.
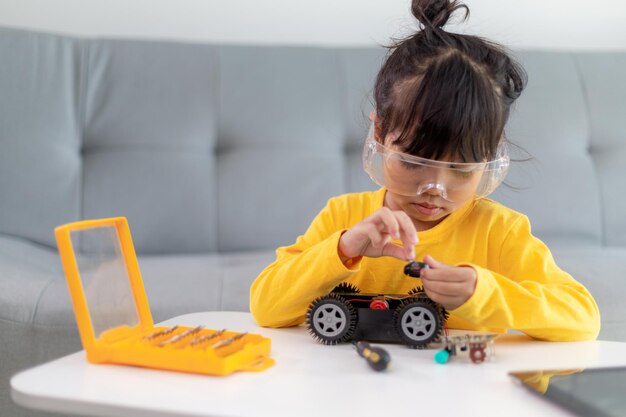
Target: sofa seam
<point x="218" y="126"/>
<point x="30" y="324"/>
<point x="217" y="145"/>
<point x="146" y="148"/>
<point x="220" y="286"/>
<point x="585" y="95"/>
<point x="22" y="239"/>
<point x="217" y="106"/>
<point x="83" y="111"/>
<point x="39" y="297"/>
<point x="82" y="86"/>
<point x="342" y="80"/>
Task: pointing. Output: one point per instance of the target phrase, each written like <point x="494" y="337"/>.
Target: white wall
<point x="569" y="24"/>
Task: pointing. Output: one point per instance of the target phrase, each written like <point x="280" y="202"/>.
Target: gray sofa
<point x="219" y="154"/>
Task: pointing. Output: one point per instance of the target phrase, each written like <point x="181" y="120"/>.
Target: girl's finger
<point x="433" y="263"/>
<point x="386" y="238"/>
<point x="389" y="220"/>
<point x="446" y="289"/>
<point x="409" y="253"/>
<point x="397" y="251"/>
<point x="407" y="228"/>
<point x="445" y="300"/>
<point x="442" y="275"/>
<point x="374" y="235"/>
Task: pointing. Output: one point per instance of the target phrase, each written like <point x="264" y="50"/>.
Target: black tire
<point x="418" y="322"/>
<point x="443" y="313"/>
<point x="419" y="291"/>
<point x="346" y="288"/>
<point x="331" y="319"/>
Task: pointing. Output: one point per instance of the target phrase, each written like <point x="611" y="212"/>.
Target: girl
<point x="437" y="148"/>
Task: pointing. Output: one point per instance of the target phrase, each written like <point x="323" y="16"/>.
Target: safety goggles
<point x="411" y="175"/>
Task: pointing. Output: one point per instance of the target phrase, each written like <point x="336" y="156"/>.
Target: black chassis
<point x="346" y="315"/>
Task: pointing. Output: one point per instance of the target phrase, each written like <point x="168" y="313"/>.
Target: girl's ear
<point x="377" y="127"/>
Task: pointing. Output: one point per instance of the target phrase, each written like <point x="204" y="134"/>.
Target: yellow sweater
<point x="519" y="286"/>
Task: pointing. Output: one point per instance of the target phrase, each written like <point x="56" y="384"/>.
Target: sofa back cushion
<point x="211" y="148"/>
<point x="602" y="79"/>
<point x="40" y="134"/>
<point x="558" y="187"/>
<point x="149" y="135"/>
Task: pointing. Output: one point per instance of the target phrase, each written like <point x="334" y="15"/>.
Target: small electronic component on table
<point x="477" y="346"/>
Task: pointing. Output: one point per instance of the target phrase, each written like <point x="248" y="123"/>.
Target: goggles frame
<point x="493" y="172"/>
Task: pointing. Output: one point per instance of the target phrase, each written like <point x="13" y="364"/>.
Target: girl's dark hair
<point x="446" y="94"/>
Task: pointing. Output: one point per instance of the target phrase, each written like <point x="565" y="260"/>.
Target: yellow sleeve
<point x="531" y="293"/>
<point x="311" y="267"/>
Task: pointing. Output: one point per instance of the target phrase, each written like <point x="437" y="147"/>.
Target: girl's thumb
<point x="430" y="261"/>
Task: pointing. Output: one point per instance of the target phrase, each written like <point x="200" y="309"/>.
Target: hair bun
<point x="435" y="13"/>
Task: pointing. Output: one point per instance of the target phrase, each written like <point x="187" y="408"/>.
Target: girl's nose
<point x="433" y="188"/>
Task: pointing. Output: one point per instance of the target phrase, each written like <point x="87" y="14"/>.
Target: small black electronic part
<point x="414" y="269"/>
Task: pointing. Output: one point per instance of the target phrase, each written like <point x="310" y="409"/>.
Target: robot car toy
<point x="346" y="314"/>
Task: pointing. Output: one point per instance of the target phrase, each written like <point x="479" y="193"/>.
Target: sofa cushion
<point x="602" y="75"/>
<point x="281" y="142"/>
<point x="602" y="271"/>
<point x="26" y="271"/>
<point x="33" y="288"/>
<point x="558" y="187"/>
<point x="183" y="284"/>
<point x="148" y="142"/>
<point x="40" y="161"/>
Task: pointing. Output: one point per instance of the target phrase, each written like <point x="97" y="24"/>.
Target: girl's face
<point x="426" y="210"/>
<point x="441" y="191"/>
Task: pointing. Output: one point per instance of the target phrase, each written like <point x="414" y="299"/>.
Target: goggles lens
<point x="411" y="175"/>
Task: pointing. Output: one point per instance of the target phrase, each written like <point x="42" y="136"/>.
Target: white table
<point x="310" y="379"/>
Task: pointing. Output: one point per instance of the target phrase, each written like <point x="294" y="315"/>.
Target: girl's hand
<point x="450" y="286"/>
<point x="372" y="236"/>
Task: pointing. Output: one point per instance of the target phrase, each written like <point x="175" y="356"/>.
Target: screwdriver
<point x="377" y="358"/>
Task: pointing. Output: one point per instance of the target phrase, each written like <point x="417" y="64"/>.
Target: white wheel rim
<point x="329" y="320"/>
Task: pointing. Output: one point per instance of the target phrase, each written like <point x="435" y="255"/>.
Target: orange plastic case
<point x="114" y="318"/>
